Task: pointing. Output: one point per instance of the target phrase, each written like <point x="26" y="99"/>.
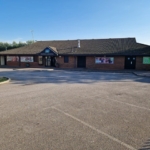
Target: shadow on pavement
<point x="146" y="145"/>
<point x="61" y="76"/>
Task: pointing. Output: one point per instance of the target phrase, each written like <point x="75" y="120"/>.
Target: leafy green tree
<point x="29" y="42"/>
<point x="20" y="44"/>
<point x="14" y="44"/>
<point x="1" y="46"/>
<point x="7" y="46"/>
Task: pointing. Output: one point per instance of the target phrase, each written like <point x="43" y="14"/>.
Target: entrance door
<point x="130" y="62"/>
<point x="81" y="62"/>
<point x="47" y="61"/>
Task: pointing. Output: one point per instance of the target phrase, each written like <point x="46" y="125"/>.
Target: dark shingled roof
<point x="120" y="46"/>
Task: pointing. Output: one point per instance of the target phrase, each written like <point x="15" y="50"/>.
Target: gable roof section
<point x="52" y="51"/>
<point x="120" y="46"/>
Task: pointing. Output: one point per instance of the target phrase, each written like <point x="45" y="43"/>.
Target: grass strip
<point x="2" y="79"/>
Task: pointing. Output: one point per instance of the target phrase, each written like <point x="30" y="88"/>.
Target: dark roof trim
<point x="102" y="55"/>
<point x="72" y="55"/>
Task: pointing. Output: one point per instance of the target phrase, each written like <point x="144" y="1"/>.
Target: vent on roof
<point x="78" y="43"/>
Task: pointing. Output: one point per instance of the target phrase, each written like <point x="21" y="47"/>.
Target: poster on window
<point x="26" y="59"/>
<point x="12" y="58"/>
<point x="104" y="60"/>
<point x="146" y="60"/>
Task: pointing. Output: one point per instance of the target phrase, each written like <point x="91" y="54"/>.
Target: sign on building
<point x="26" y="59"/>
<point x="12" y="58"/>
<point x="146" y="60"/>
<point x="104" y="60"/>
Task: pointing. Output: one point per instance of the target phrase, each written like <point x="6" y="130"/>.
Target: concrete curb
<point x="8" y="80"/>
<point x="141" y="75"/>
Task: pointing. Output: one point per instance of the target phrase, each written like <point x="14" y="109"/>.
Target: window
<point x="40" y="60"/>
<point x="47" y="50"/>
<point x="66" y="59"/>
<point x="26" y="59"/>
<point x="104" y="60"/>
<point x="12" y="58"/>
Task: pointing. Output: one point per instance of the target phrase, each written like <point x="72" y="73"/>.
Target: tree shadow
<point x="146" y="145"/>
<point x="28" y="77"/>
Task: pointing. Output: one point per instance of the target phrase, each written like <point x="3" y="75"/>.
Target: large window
<point x="66" y="59"/>
<point x="104" y="60"/>
<point x="12" y="58"/>
<point x="26" y="59"/>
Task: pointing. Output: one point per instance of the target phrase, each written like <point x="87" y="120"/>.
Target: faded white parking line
<point x="131" y="105"/>
<point x="97" y="130"/>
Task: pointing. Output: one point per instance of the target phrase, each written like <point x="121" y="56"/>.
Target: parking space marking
<point x="95" y="129"/>
<point x="131" y="105"/>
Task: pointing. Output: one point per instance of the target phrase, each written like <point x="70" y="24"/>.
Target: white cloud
<point x="11" y="40"/>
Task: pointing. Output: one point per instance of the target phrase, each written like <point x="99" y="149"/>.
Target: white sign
<point x="104" y="60"/>
<point x="12" y="58"/>
<point x="27" y="59"/>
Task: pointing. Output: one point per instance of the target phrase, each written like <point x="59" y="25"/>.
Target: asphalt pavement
<point x="46" y="109"/>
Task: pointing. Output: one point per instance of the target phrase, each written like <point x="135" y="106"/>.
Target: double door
<point x="50" y="61"/>
<point x="130" y="62"/>
<point x="47" y="61"/>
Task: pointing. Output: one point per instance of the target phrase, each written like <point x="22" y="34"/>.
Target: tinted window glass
<point x="66" y="59"/>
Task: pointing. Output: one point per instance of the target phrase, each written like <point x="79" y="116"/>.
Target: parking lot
<point x="74" y="110"/>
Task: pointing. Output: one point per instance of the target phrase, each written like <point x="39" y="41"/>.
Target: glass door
<point x="47" y="61"/>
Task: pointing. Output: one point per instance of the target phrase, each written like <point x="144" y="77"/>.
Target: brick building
<point x="104" y="54"/>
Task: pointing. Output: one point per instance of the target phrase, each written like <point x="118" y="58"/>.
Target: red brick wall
<point x="90" y="63"/>
<point x="118" y="64"/>
<point x="140" y="65"/>
<point x="13" y="63"/>
<point x="22" y="64"/>
<point x="32" y="64"/>
<point x="70" y="64"/>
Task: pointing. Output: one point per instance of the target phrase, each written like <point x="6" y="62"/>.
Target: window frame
<point x="40" y="60"/>
<point x="66" y="59"/>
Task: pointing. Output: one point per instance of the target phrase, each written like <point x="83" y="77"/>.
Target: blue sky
<point x="74" y="19"/>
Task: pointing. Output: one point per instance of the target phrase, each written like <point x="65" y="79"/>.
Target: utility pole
<point x="32" y="36"/>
